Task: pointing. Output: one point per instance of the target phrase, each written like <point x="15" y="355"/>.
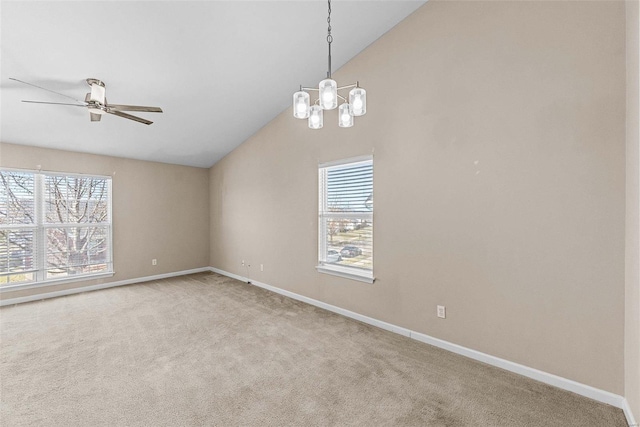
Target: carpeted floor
<point x="209" y="350"/>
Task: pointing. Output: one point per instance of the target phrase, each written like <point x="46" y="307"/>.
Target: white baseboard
<point x="627" y="413"/>
<point x="37" y="297"/>
<point x="544" y="377"/>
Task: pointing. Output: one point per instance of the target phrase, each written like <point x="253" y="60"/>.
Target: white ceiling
<point x="220" y="70"/>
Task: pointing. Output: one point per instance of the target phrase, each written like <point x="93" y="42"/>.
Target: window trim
<point x="51" y="282"/>
<point x="346" y="272"/>
<point x="353" y="273"/>
<point x="41" y="226"/>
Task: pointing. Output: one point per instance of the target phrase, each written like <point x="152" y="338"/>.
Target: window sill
<point x="347" y="273"/>
<point x="51" y="282"/>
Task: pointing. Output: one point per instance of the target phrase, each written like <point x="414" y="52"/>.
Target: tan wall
<point x="632" y="292"/>
<point x="499" y="168"/>
<point x="159" y="211"/>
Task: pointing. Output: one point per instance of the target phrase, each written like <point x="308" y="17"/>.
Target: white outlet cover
<point x="441" y="311"/>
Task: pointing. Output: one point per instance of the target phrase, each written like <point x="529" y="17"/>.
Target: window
<point x="345" y="241"/>
<point x="53" y="227"/>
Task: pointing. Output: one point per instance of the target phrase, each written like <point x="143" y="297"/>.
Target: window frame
<point x="348" y="272"/>
<point x="40" y="227"/>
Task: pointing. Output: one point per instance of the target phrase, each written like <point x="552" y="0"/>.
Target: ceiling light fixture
<point x="328" y="96"/>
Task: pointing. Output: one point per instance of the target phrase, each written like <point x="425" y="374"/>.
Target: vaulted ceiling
<point x="220" y="70"/>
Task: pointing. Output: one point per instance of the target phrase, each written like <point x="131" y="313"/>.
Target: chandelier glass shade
<point x="328" y="97"/>
<point x="345" y="116"/>
<point x="358" y="101"/>
<point x="316" y="118"/>
<point x="301" y="107"/>
<point x="328" y="94"/>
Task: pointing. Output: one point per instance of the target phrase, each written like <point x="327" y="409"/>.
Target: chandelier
<point x="328" y="95"/>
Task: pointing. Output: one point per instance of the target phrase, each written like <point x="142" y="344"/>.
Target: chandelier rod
<point x="329" y="38"/>
<point x="356" y="84"/>
<point x="317" y="101"/>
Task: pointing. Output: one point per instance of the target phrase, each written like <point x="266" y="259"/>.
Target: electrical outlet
<point x="243" y="263"/>
<point x="154" y="262"/>
<point x="261" y="267"/>
<point x="441" y="311"/>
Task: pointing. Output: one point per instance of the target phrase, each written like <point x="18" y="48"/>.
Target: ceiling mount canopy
<point x="328" y="95"/>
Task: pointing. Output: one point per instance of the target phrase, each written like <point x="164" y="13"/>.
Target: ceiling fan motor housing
<point x="96" y="100"/>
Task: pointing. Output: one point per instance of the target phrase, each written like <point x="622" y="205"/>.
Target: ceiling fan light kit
<point x="96" y="103"/>
<point x="96" y="98"/>
<point x="328" y="94"/>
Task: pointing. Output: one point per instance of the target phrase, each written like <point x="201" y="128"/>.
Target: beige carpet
<point x="208" y="350"/>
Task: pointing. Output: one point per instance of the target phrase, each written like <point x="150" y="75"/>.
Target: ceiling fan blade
<point x="95" y="117"/>
<point x="121" y="107"/>
<point x="44" y="88"/>
<point x="54" y="103"/>
<point x="129" y="116"/>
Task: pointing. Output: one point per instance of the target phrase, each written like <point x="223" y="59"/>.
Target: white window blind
<point x="17" y="227"/>
<point x="53" y="227"/>
<point x="345" y="238"/>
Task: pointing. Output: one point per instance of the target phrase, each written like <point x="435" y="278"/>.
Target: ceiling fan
<point x="96" y="102"/>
